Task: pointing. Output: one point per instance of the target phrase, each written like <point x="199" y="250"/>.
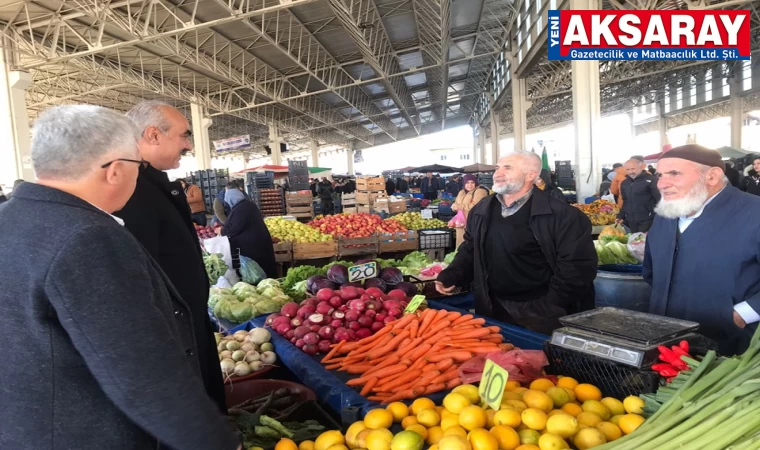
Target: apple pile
<point x="356" y="225"/>
<point x="348" y="314"/>
<point x="206" y="232"/>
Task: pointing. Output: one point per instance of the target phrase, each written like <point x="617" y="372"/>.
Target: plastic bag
<point x="221" y="244"/>
<point x="458" y="221"/>
<point x="251" y="271"/>
<point x="609" y="197"/>
<point x="637" y="244"/>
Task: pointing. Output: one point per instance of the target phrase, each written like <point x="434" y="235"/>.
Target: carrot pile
<point x="416" y="355"/>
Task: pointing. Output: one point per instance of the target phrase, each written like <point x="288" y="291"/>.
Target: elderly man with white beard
<point x="703" y="251"/>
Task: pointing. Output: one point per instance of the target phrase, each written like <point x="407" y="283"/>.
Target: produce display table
<point x="345" y="401"/>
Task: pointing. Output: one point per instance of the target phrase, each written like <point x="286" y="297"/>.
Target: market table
<point x="330" y="385"/>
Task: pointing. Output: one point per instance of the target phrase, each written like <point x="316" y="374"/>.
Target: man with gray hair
<point x="159" y="217"/>
<point x="90" y="325"/>
<point x="703" y="252"/>
<point x="640" y="195"/>
<point x="529" y="255"/>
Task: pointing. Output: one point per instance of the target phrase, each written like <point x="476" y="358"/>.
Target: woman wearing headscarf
<point x="247" y="232"/>
<point x="470" y="195"/>
<point x="544" y="182"/>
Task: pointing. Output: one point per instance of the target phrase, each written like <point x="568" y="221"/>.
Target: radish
<point x="293" y="340"/>
<point x="271" y="319"/>
<point x="389" y="319"/>
<point x="314" y="328"/>
<point x="289" y="310"/>
<point x="327" y="332"/>
<point x="390" y="304"/>
<point x="374" y="292"/>
<point x="319" y="319"/>
<point x="341" y="334"/>
<point x="349" y="293"/>
<point x="395" y="312"/>
<point x="397" y="294"/>
<point x="336" y="323"/>
<point x="311" y="339"/>
<point x="364" y="321"/>
<point x="290" y="334"/>
<point x="372" y="304"/>
<point x="325" y="308"/>
<point x="365" y="297"/>
<point x="324" y="294"/>
<point x="324" y="346"/>
<point x="296" y="322"/>
<point x="310" y="301"/>
<point x="306" y="310"/>
<point x="343" y="308"/>
<point x="340" y="315"/>
<point x="281" y="320"/>
<point x="283" y="329"/>
<point x="300" y="343"/>
<point x="377" y="326"/>
<point x="336" y="302"/>
<point x="301" y="331"/>
<point x="310" y="349"/>
<point x="352" y="315"/>
<point x="356" y="305"/>
<point x="379" y="317"/>
<point x="354" y="326"/>
<point x="370" y="313"/>
<point x="362" y="333"/>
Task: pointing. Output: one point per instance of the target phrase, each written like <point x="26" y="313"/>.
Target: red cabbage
<point x="392" y="276"/>
<point x="378" y="283"/>
<point x="338" y="274"/>
<point x="317" y="282"/>
<point x="409" y="288"/>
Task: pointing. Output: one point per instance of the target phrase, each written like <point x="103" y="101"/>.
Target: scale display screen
<point x="604" y="350"/>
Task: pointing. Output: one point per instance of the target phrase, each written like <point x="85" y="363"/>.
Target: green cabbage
<point x="215" y="297"/>
<point x="271" y="292"/>
<point x="267" y="282"/>
<point x="281" y="299"/>
<point x="242" y="312"/>
<point x="450" y="257"/>
<point x="222" y="308"/>
<point x="240" y="285"/>
<point x="267" y="306"/>
<point x="620" y="251"/>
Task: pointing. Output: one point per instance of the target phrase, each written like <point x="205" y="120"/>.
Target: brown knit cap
<point x="698" y="154"/>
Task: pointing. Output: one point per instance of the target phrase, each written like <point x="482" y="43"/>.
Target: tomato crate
<point x="370" y="184"/>
<point x="314" y="250"/>
<point x="398" y="242"/>
<point x="283" y="251"/>
<point x="357" y="246"/>
<point x="434" y="238"/>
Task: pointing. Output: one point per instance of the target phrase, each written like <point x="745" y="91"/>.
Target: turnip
<point x="324" y="346"/>
<point x="310" y="349"/>
<point x="305" y="311"/>
<point x="238" y="355"/>
<point x="395" y="312"/>
<point x="226" y="354"/>
<point x="324" y="294"/>
<point x="222" y="346"/>
<point x="271" y="318"/>
<point x="259" y="336"/>
<point x="352" y="315"/>
<point x="327" y="333"/>
<point x="337" y="323"/>
<point x="242" y="369"/>
<point x="354" y="326"/>
<point x="247" y="347"/>
<point x="301" y="331"/>
<point x="364" y="321"/>
<point x="300" y="343"/>
<point x="233" y="345"/>
<point x="268" y="358"/>
<point x="289" y="310"/>
<point x="311" y="339"/>
<point x="252" y="356"/>
<point x="362" y="333"/>
<point x="325" y="308"/>
<point x="377" y="326"/>
<point x="336" y="302"/>
<point x="240" y="335"/>
<point x="227" y="366"/>
<point x="283" y="328"/>
<point x="256" y="366"/>
<point x="266" y="347"/>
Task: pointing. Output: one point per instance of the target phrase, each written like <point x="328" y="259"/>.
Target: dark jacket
<point x="98" y="347"/>
<point x="402" y="185"/>
<point x="3" y="198"/>
<point x="390" y="187"/>
<point x="564" y="235"/>
<point x="325" y="190"/>
<point x="734" y="177"/>
<point x="713" y="266"/>
<point x="453" y="188"/>
<point x="751" y="183"/>
<point x="246" y="230"/>
<point x="159" y="217"/>
<point x="429" y="185"/>
<point x="550" y="188"/>
<point x="640" y="196"/>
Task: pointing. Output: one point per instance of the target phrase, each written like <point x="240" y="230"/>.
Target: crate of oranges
<point x="540" y="416"/>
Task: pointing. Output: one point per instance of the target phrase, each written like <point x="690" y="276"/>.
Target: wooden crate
<point x="357" y="246"/>
<point x="398" y="242"/>
<point x="364" y="209"/>
<point x="294" y="198"/>
<point x="350" y="209"/>
<point x="348" y="199"/>
<point x="369" y="198"/>
<point x="314" y="250"/>
<point x="370" y="183"/>
<point x="383" y="205"/>
<point x="301" y="212"/>
<point x="283" y="251"/>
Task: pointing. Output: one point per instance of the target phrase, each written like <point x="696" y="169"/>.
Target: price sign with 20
<point x="362" y="272"/>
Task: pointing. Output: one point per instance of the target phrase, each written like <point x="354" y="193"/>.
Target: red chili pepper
<point x="670" y="379"/>
<point x="668" y="372"/>
<point x="684" y="345"/>
<point x="666" y="354"/>
<point x="680" y="365"/>
<point x="680" y="352"/>
<point x="660" y="366"/>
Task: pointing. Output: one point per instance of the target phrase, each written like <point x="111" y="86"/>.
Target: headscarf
<point x="469" y="177"/>
<point x="611" y="175"/>
<point x="233" y="196"/>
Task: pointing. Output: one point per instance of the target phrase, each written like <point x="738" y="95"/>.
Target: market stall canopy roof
<point x="477" y="168"/>
<point x="731" y="152"/>
<point x="436" y="168"/>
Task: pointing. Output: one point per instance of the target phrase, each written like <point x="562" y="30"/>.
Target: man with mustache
<point x="159" y="217"/>
<point x="530" y="256"/>
<point x="703" y="250"/>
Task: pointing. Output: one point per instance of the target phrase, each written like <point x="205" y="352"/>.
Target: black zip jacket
<point x="640" y="196"/>
<point x="751" y="183"/>
<point x="564" y="235"/>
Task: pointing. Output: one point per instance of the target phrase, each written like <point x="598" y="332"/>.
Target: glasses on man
<point x="143" y="163"/>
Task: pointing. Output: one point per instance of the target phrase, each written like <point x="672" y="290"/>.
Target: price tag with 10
<point x="414" y="304"/>
<point x="492" y="384"/>
<point x="362" y="272"/>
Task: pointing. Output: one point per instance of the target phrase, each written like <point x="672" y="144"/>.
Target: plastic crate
<point x="437" y="238"/>
<point x="310" y="410"/>
<point x="614" y="380"/>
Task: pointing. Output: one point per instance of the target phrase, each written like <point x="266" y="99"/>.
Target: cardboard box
<point x="369" y="198"/>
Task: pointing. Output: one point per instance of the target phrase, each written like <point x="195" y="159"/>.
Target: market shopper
<point x="247" y="232"/>
<point x="640" y="196"/>
<point x="109" y="336"/>
<point x="544" y="182"/>
<point x="194" y="197"/>
<point x="429" y="187"/>
<point x="390" y="186"/>
<point x="221" y="208"/>
<point x="751" y="183"/>
<point x="325" y="196"/>
<point x="529" y="256"/>
<point x="159" y="217"/>
<point x="469" y="196"/>
<point x="703" y="251"/>
<point x="617" y="180"/>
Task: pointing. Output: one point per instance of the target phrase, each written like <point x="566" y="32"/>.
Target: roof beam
<point x="429" y="16"/>
<point x="365" y="26"/>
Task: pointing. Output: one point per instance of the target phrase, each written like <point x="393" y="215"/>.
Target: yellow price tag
<point x="414" y="304"/>
<point x="492" y="384"/>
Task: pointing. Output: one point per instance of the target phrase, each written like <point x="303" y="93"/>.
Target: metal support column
<point x="350" y="159"/>
<point x="662" y="123"/>
<point x="201" y="144"/>
<point x="474" y="144"/>
<point x="274" y="143"/>
<point x="314" y="145"/>
<point x="737" y="112"/>
<point x="586" y="117"/>
<point x="15" y="138"/>
<point x="519" y="110"/>
<point x="482" y="145"/>
<point x="494" y="129"/>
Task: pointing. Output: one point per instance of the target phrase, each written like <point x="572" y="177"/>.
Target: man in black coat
<point x="159" y="217"/>
<point x="640" y="196"/>
<point x="98" y="347"/>
<point x="530" y="256"/>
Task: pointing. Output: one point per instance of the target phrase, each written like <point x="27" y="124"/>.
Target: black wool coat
<point x="247" y="232"/>
<point x="159" y="217"/>
<point x="98" y="347"/>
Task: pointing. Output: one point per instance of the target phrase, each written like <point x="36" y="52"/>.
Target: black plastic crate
<point x="435" y="238"/>
<point x="614" y="379"/>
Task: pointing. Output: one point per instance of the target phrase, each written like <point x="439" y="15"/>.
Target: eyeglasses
<point x="143" y="163"/>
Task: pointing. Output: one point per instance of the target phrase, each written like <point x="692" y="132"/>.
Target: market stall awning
<point x="318" y="169"/>
<point x="477" y="168"/>
<point x="731" y="152"/>
<point x="436" y="168"/>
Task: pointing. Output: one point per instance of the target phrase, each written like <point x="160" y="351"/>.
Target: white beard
<point x="686" y="206"/>
<point x="508" y="187"/>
